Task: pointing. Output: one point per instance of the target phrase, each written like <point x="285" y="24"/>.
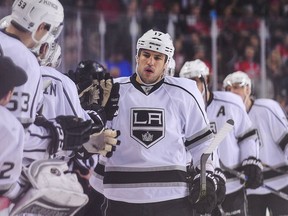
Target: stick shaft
<point x="219" y="137"/>
<point x="244" y="177"/>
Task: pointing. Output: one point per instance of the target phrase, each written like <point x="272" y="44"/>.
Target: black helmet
<point x="90" y="69"/>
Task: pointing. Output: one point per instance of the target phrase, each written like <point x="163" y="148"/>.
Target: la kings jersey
<point x="150" y="164"/>
<point x="60" y="98"/>
<point x="11" y="148"/>
<point x="271" y="123"/>
<point x="26" y="98"/>
<point x="241" y="142"/>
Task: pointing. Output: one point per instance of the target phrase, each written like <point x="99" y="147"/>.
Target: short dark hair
<point x="11" y="75"/>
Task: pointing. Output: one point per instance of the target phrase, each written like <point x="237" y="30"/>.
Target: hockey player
<point x="32" y="23"/>
<point x="147" y="173"/>
<point x="61" y="98"/>
<point x="87" y="74"/>
<point x="239" y="149"/>
<point x="12" y="134"/>
<point x="272" y="126"/>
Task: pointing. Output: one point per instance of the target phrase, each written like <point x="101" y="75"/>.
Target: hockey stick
<point x="242" y="176"/>
<point x="274" y="169"/>
<point x="219" y="137"/>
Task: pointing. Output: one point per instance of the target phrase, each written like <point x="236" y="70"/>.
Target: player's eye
<point x="228" y="88"/>
<point x="157" y="58"/>
<point x="146" y="55"/>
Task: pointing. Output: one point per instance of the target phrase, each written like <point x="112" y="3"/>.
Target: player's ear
<point x="6" y="98"/>
<point x="136" y="58"/>
<point x="248" y="91"/>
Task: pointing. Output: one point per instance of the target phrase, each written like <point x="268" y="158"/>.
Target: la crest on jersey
<point x="147" y="125"/>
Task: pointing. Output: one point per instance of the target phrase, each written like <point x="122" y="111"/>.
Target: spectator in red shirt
<point x="248" y="64"/>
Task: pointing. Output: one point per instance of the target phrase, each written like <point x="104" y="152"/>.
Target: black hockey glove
<point x="252" y="168"/>
<point x="111" y="107"/>
<point x="216" y="212"/>
<point x="67" y="132"/>
<point x="83" y="170"/>
<point x="83" y="85"/>
<point x="208" y="202"/>
<point x="98" y="116"/>
<point x="97" y="88"/>
<point x="221" y="185"/>
<point x="103" y="143"/>
<point x="191" y="173"/>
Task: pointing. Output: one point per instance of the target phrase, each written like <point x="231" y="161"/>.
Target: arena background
<point x="229" y="35"/>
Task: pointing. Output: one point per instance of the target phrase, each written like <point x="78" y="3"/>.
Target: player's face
<point x="41" y="32"/>
<point x="151" y="66"/>
<point x="238" y="89"/>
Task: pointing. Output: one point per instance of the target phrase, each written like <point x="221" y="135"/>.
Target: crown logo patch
<point x="147" y="137"/>
<point x="147" y="125"/>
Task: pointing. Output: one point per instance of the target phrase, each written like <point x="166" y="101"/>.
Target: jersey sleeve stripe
<point x="248" y="135"/>
<point x="195" y="141"/>
<point x="34" y="98"/>
<point x="283" y="143"/>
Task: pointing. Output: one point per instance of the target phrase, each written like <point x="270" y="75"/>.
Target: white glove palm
<point x="103" y="143"/>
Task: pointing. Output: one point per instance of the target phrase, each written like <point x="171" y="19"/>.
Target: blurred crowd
<point x="239" y="42"/>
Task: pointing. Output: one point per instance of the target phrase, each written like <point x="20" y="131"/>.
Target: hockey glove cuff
<point x="98" y="116"/>
<point x="67" y="132"/>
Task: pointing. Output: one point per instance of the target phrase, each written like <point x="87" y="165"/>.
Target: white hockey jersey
<point x="11" y="148"/>
<point x="27" y="98"/>
<point x="241" y="142"/>
<point x="60" y="98"/>
<point x="150" y="163"/>
<point x="271" y="123"/>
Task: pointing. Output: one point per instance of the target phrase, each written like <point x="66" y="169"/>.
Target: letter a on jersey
<point x="147" y="125"/>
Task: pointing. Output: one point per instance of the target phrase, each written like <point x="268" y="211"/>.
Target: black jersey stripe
<point x="145" y="177"/>
<point x="99" y="169"/>
<point x="283" y="142"/>
<point x="248" y="134"/>
<point x="34" y="150"/>
<point x="70" y="102"/>
<point x="205" y="136"/>
<point x="34" y="98"/>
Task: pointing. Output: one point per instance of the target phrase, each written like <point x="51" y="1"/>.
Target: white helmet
<point x="170" y="71"/>
<point x="29" y="14"/>
<point x="156" y="41"/>
<point x="53" y="56"/>
<point x="237" y="77"/>
<point x="5" y="21"/>
<point x="195" y="68"/>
